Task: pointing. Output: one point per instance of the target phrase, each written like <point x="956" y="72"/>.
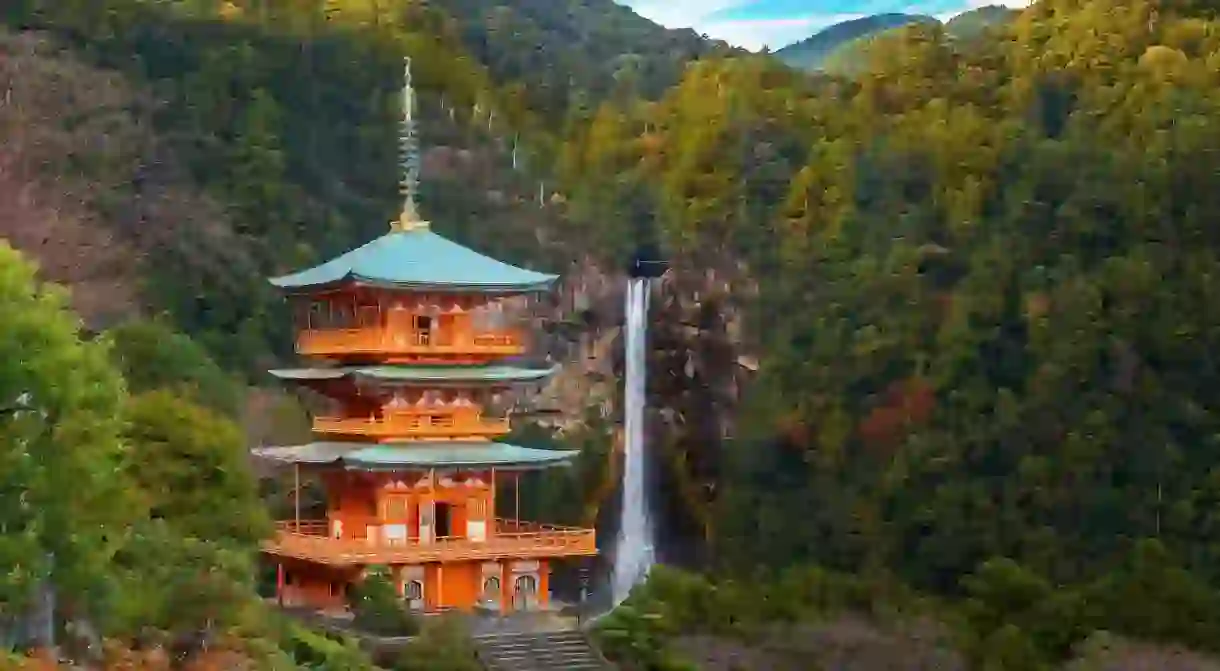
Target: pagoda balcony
<point x="389" y="342"/>
<point x="511" y="539"/>
<point x="414" y="425"/>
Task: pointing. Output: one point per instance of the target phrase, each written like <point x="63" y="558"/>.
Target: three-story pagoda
<point x="409" y="337"/>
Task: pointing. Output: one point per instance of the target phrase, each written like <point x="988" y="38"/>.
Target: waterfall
<point x="633" y="555"/>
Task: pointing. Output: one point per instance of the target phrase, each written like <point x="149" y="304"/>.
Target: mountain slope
<point x="811" y="52"/>
<point x="76" y="140"/>
<point x="975" y="22"/>
<point x="843" y="48"/>
<point x="566" y="50"/>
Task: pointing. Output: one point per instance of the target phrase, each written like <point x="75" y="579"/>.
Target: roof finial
<point x="408" y="219"/>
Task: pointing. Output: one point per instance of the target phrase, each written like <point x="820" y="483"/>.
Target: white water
<point x="633" y="555"/>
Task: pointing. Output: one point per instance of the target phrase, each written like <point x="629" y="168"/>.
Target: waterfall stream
<point x="633" y="555"/>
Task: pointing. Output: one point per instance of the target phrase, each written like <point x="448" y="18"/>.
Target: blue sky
<point x="755" y="23"/>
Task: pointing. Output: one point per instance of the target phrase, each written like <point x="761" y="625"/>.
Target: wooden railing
<point x="386" y="341"/>
<point x="309" y="540"/>
<point x="415" y="425"/>
<point x="508" y="526"/>
<point x="305" y="527"/>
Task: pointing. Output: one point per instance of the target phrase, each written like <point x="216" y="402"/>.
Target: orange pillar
<point x="440" y="590"/>
<point x="544" y="582"/>
<point x="279" y="583"/>
<point x="506" y="593"/>
<point x="491" y="507"/>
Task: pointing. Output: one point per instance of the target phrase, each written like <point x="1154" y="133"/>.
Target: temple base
<point x="505" y="586"/>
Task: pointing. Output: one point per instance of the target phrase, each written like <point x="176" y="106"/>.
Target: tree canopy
<point x="63" y="504"/>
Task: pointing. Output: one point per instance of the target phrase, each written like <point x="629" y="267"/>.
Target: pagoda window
<point x="423" y="329"/>
<point x="369" y="316"/>
<point x="526" y="584"/>
<point x="396" y="508"/>
<point x="444" y="519"/>
<point x="301" y="313"/>
<point x="491" y="589"/>
<point x="414" y="590"/>
<point x="318" y="315"/>
<point x="345" y="314"/>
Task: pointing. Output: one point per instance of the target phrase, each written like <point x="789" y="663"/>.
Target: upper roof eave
<point x="420" y="375"/>
<point x="416" y="259"/>
<point x="351" y="280"/>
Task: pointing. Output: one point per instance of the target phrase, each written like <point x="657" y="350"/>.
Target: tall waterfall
<point x="633" y="555"/>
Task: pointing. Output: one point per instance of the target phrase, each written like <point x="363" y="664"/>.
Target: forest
<point x="976" y="275"/>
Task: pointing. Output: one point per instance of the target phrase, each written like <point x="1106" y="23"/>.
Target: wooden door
<point x="400" y="326"/>
<point x="394" y="514"/>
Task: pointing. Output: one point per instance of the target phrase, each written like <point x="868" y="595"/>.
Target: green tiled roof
<point x="432" y="375"/>
<point x="418" y="259"/>
<point x="419" y="454"/>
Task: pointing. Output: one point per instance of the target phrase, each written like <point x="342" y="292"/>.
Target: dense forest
<point x="976" y="275"/>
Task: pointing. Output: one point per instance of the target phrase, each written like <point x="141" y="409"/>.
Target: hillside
<point x="575" y="52"/>
<point x="987" y="383"/>
<point x="977" y="21"/>
<point x="809" y="53"/>
<point x="49" y="215"/>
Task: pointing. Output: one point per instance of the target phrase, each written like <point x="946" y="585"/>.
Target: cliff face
<point x="699" y="367"/>
<point x="46" y="214"/>
<point x="89" y="190"/>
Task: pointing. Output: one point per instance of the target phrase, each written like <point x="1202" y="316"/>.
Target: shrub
<point x="377" y="607"/>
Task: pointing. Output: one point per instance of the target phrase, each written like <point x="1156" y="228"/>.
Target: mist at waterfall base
<point x="633" y="553"/>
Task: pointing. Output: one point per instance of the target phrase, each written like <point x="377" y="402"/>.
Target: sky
<point x="756" y="23"/>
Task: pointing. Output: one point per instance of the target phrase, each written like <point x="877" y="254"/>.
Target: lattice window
<point x="477" y="509"/>
<point x="396" y="508"/>
<point x="415" y="590"/>
<point x="491" y="588"/>
<point x="526" y="584"/>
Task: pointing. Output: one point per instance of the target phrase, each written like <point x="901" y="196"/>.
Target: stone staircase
<point x="539" y="651"/>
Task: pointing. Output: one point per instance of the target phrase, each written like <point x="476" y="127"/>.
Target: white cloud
<point x="756" y="33"/>
<point x="680" y="13"/>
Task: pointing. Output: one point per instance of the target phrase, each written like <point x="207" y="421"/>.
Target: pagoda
<point x="411" y="349"/>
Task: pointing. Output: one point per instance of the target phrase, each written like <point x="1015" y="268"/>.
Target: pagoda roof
<point x="418" y="454"/>
<point x="418" y="259"/>
<point x="407" y="375"/>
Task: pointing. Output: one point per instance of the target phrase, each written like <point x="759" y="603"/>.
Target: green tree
<point x="64" y="501"/>
<point x="442" y="645"/>
<point x="173" y="585"/>
<point x="378" y="607"/>
<point x="153" y="356"/>
<point x="192" y="468"/>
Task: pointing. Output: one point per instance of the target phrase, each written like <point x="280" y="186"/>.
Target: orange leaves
<point x="904" y="405"/>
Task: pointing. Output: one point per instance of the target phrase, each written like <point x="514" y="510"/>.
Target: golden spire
<point x="408" y="219"/>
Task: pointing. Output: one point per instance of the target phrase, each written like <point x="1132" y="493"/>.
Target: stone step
<point x="550" y="651"/>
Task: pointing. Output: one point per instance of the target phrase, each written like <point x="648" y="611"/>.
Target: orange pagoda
<point x="408" y="334"/>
